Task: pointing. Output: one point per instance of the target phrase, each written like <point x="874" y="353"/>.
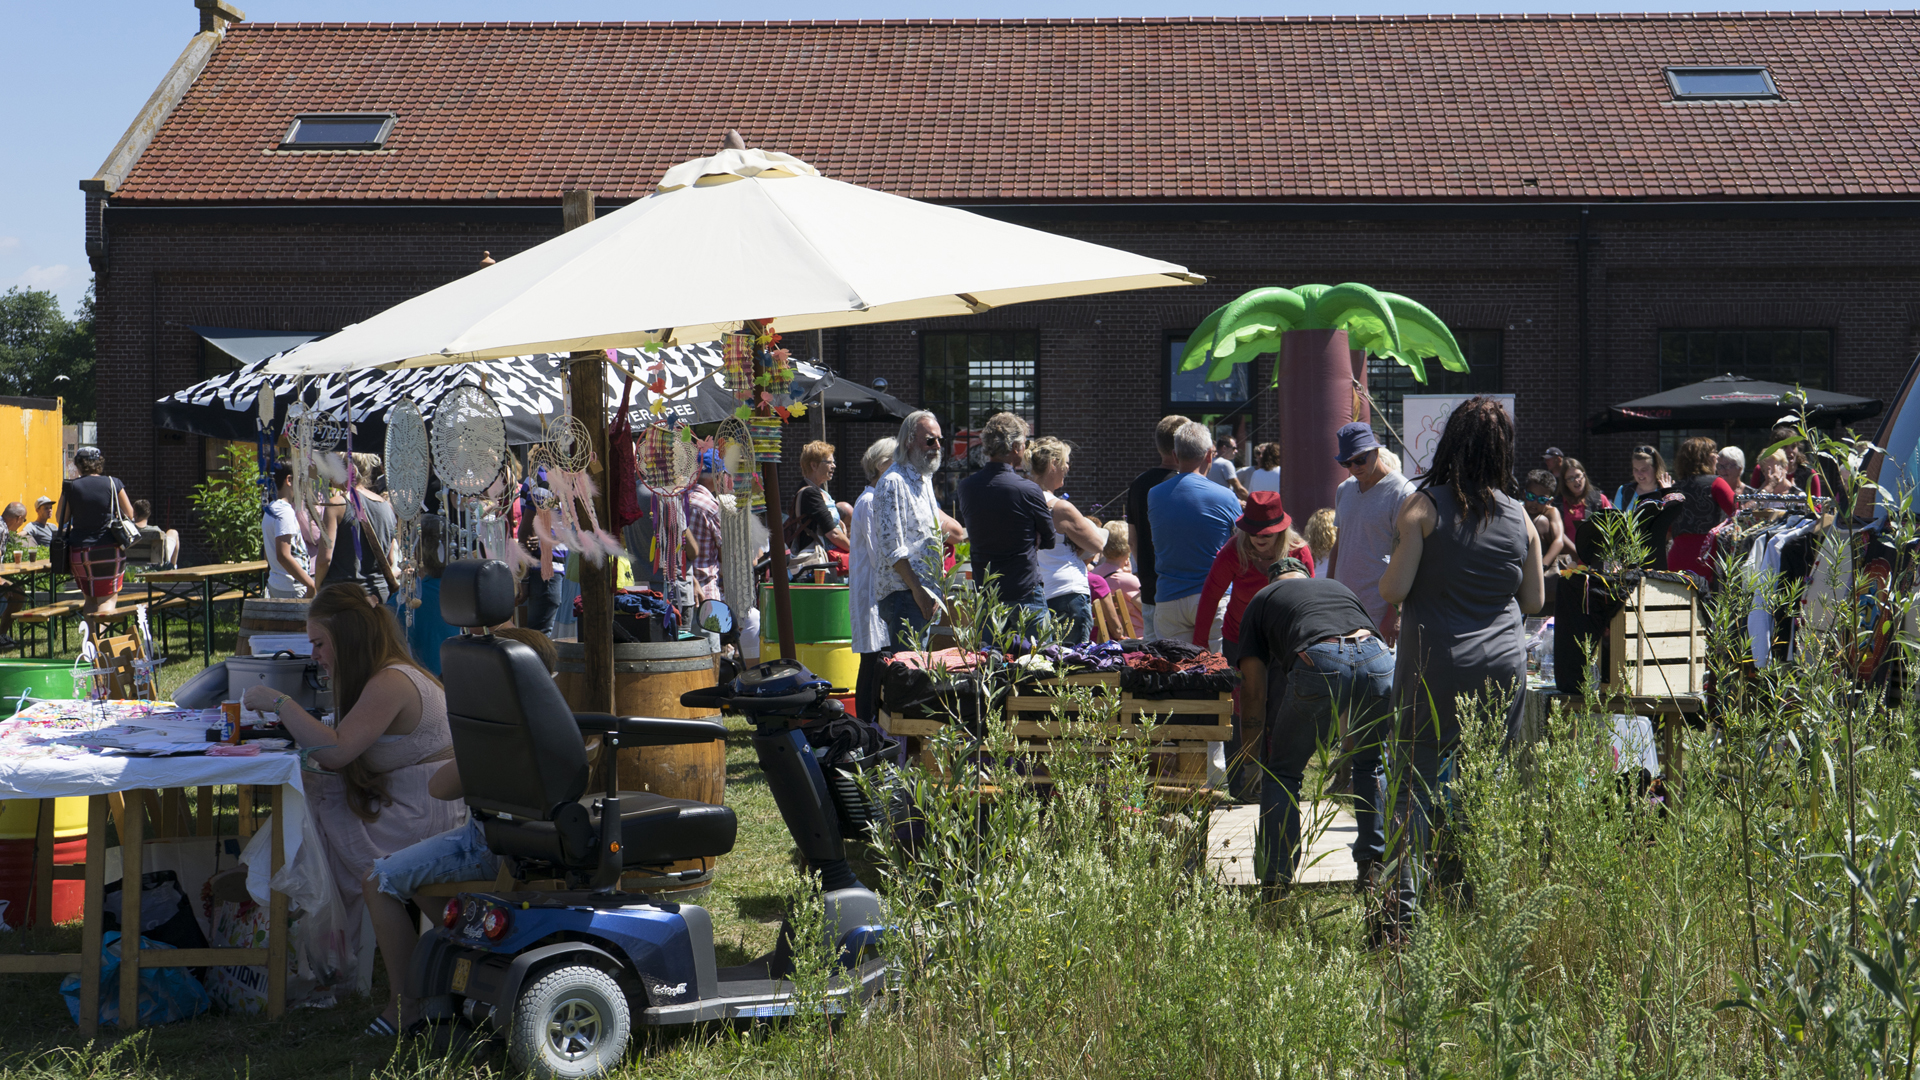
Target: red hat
<point x="1264" y="514"/>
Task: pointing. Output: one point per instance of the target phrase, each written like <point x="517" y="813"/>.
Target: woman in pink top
<point x="1263" y="534"/>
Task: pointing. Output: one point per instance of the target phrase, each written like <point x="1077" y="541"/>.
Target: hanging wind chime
<point x="406" y="454"/>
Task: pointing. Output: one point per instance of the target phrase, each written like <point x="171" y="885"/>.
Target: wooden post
<point x="776" y="546"/>
<point x="90" y="927"/>
<point x="588" y="380"/>
<point x="43" y="869"/>
<point x="131" y="844"/>
<point x="277" y="912"/>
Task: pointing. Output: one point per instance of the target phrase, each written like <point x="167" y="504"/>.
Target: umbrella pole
<point x="776" y="537"/>
<point x="587" y="379"/>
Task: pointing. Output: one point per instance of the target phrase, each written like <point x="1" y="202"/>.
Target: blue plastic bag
<point x="166" y="994"/>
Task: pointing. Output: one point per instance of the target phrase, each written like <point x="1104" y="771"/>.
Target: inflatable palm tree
<point x="1315" y="329"/>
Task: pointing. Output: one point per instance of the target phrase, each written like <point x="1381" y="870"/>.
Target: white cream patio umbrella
<point x="745" y="234"/>
<point x="742" y="235"/>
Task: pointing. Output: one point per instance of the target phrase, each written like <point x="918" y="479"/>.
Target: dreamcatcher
<point x="407" y="471"/>
<point x="311" y="437"/>
<point x="669" y="461"/>
<point x="565" y="455"/>
<point x="469" y="454"/>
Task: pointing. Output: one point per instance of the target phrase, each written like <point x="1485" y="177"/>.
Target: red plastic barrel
<point x="16" y="880"/>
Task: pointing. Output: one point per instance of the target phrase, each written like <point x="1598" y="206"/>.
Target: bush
<point x="228" y="506"/>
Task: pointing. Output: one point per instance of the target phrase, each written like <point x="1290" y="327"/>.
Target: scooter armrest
<point x="650" y="730"/>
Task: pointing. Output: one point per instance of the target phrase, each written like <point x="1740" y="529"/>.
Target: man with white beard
<point x="908" y="526"/>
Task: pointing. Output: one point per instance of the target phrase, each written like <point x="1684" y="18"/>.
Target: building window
<point x="1721" y="84"/>
<point x="337" y="131"/>
<point x="1388" y="382"/>
<point x="1794" y="357"/>
<point x="1189" y="391"/>
<point x="967" y="376"/>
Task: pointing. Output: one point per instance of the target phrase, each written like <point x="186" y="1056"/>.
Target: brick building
<point x="1600" y="206"/>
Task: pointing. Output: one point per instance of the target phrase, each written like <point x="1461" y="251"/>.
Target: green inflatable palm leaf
<point x="1382" y="323"/>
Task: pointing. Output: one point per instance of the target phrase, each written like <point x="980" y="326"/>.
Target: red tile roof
<point x="1392" y="108"/>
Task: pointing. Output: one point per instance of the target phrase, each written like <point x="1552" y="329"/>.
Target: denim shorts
<point x="455" y="855"/>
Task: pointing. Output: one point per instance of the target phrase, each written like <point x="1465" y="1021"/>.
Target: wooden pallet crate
<point x="1656" y="644"/>
<point x="1181" y="728"/>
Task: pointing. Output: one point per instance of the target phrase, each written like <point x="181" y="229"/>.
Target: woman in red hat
<point x="1263" y="535"/>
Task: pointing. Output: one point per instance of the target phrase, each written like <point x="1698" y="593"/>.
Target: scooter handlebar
<point x="717" y="697"/>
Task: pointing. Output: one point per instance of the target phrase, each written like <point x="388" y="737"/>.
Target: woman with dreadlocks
<point x="1465" y="567"/>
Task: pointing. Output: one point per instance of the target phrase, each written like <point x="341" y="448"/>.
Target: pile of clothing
<point x="640" y="605"/>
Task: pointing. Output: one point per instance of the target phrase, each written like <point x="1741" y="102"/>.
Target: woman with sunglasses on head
<point x="1649" y="476"/>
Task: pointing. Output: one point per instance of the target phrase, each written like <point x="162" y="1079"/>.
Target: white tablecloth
<point x="30" y="769"/>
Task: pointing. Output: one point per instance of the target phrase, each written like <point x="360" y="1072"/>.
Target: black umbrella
<point x="1729" y="401"/>
<point x="526" y="387"/>
<point x="845" y="399"/>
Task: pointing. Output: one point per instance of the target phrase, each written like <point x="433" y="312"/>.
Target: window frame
<point x="288" y="140"/>
<point x="1660" y="361"/>
<point x="1201" y="409"/>
<point x="952" y="427"/>
<point x="1677" y="72"/>
<point x="1437" y="378"/>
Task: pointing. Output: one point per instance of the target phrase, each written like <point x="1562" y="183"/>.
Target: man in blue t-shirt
<point x="1192" y="520"/>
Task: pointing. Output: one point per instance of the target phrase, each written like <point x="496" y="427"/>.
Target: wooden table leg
<point x="90" y="926"/>
<point x="132" y="844"/>
<point x="277" y="916"/>
<point x="243" y="809"/>
<point x="43" y="869"/>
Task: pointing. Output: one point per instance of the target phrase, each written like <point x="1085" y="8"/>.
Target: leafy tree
<point x="43" y="353"/>
<point x="228" y="506"/>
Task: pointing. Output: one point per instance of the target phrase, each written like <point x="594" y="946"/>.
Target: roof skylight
<point x="1721" y="84"/>
<point x="338" y="131"/>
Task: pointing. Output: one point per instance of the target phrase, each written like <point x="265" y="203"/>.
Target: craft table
<point x="46" y="777"/>
<point x="179" y="584"/>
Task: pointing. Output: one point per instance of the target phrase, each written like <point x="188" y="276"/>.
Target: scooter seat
<point x="654" y="831"/>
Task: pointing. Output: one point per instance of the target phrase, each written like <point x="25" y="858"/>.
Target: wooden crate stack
<point x="1656" y="645"/>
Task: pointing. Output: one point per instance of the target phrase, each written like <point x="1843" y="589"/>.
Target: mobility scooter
<point x="564" y="977"/>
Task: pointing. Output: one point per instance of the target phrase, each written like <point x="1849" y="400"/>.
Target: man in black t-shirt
<point x="1137" y="514"/>
<point x="1308" y="654"/>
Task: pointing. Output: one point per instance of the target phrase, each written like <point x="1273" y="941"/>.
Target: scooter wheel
<point x="572" y="1023"/>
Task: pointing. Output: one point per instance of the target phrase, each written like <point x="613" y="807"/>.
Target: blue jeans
<point x="902" y="619"/>
<point x="455" y="855"/>
<point x="1146" y="621"/>
<point x="1074" y="612"/>
<point x="543" y="601"/>
<point x="1328" y="678"/>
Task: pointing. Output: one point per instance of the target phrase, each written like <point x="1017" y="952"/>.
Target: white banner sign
<point x="1424" y="416"/>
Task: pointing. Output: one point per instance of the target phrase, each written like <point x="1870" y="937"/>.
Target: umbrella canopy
<point x="1731" y="399"/>
<point x="746" y="234"/>
<point x="527" y="388"/>
<point x="815" y="386"/>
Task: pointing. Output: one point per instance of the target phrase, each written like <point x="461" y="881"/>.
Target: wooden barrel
<point x="648" y="679"/>
<point x="268" y="615"/>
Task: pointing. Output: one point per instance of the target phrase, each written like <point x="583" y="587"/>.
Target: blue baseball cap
<point x="1355" y="439"/>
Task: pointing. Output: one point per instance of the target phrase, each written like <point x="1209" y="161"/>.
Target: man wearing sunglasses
<point x="908" y="526"/>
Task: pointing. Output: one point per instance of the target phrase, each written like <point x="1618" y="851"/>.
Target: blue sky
<point x="76" y="72"/>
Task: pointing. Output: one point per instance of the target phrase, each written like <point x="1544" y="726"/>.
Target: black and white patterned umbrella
<point x="528" y="389"/>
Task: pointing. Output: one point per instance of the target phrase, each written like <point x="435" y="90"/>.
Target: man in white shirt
<point x="1365" y="507"/>
<point x="289" y="570"/>
<point x="908" y="525"/>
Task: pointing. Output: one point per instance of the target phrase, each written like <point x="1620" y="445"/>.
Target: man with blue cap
<point x="1365" y="507"/>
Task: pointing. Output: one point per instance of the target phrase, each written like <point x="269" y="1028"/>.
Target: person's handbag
<point x="120" y="531"/>
<point x="57" y="549"/>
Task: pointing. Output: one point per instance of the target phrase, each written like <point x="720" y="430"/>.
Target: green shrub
<point x="227" y="505"/>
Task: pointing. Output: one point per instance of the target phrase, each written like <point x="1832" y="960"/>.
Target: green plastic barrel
<point x="41" y="678"/>
<point x="820" y="613"/>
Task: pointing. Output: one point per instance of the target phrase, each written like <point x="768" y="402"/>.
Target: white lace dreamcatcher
<point x="407" y="472"/>
<point x="317" y="471"/>
<point x="565" y="455"/>
<point x="469" y="454"/>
